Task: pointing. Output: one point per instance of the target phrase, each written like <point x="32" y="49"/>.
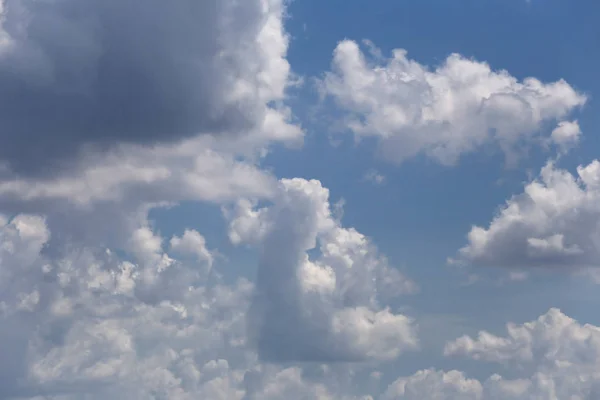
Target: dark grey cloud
<point x="79" y="72"/>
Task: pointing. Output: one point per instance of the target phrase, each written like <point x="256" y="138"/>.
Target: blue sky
<point x="208" y="225"/>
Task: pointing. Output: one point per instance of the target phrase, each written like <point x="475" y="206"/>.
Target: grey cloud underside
<point x="76" y="72"/>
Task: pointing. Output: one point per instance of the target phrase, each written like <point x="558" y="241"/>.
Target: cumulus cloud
<point x="94" y="302"/>
<point x="561" y="355"/>
<point x="319" y="308"/>
<point x="566" y="135"/>
<point x="555" y="222"/>
<point x="75" y="74"/>
<point x="444" y="113"/>
<point x="431" y="384"/>
<point x="91" y="324"/>
<point x="192" y="243"/>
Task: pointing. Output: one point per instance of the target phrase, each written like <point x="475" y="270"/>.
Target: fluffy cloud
<point x="90" y="324"/>
<point x="444" y="113"/>
<point x="561" y="354"/>
<point x="566" y="135"/>
<point x="97" y="72"/>
<point x="554" y="223"/>
<point x="431" y="384"/>
<point x="319" y="308"/>
<point x="552" y="339"/>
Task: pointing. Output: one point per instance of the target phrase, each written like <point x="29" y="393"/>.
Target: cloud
<point x="94" y="323"/>
<point x="94" y="302"/>
<point x="90" y="324"/>
<point x="445" y="113"/>
<point x="553" y="223"/>
<point x="374" y="177"/>
<point x="319" y="308"/>
<point x="75" y="74"/>
<point x="552" y="337"/>
<point x="563" y="353"/>
<point x="560" y="354"/>
<point x="86" y="328"/>
<point x="566" y="135"/>
<point x="192" y="243"/>
<point x="431" y="384"/>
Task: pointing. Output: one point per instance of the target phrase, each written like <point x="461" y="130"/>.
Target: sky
<point x="272" y="199"/>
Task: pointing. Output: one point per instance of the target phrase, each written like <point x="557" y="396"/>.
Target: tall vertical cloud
<point x="328" y="308"/>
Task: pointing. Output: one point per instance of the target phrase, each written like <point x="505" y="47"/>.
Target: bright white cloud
<point x="447" y="112"/>
<point x="564" y="354"/>
<point x="558" y="356"/>
<point x="566" y="135"/>
<point x="323" y="308"/>
<point x="192" y="243"/>
<point x="554" y="223"/>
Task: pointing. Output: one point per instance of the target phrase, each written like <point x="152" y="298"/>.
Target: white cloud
<point x="566" y="135"/>
<point x="90" y="325"/>
<point x="551" y="340"/>
<point x="95" y="303"/>
<point x="319" y="308"/>
<point x="444" y="113"/>
<point x="558" y="356"/>
<point x="554" y="223"/>
<point x="192" y="243"/>
<point x="563" y="354"/>
<point x="430" y="384"/>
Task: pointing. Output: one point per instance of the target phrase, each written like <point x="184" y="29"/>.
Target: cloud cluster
<point x="562" y="355"/>
<point x="182" y="98"/>
<point x="325" y="307"/>
<point x="75" y="74"/>
<point x="555" y="222"/>
<point x="457" y="108"/>
<point x="90" y="324"/>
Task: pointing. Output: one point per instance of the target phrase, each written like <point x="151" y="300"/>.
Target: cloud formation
<point x="75" y="74"/>
<point x="325" y="308"/>
<point x="455" y="109"/>
<point x="554" y="223"/>
<point x="89" y="324"/>
<point x="561" y="355"/>
<point x="92" y="325"/>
